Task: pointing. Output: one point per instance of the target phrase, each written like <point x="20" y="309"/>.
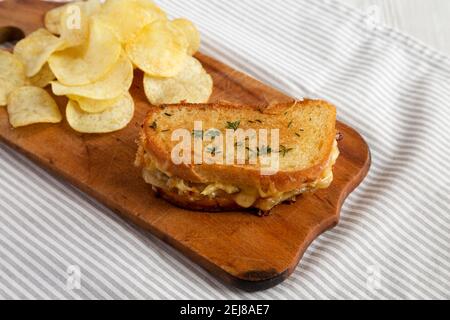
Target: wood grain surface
<point x="248" y="251"/>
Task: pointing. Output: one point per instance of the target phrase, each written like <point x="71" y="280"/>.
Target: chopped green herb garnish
<point x="257" y="120"/>
<point x="165" y="130"/>
<point x="167" y="114"/>
<point x="233" y="125"/>
<point x="198" y="134"/>
<point x="297" y="134"/>
<point x="290" y="123"/>
<point x="213" y="151"/>
<point x="154" y="125"/>
<point x="250" y="154"/>
<point x="264" y="150"/>
<point x="212" y="133"/>
<point x="284" y="150"/>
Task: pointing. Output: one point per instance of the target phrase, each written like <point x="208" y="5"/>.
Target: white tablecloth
<point x="393" y="239"/>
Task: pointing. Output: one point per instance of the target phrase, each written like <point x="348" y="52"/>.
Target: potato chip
<point x="92" y="7"/>
<point x="138" y="13"/>
<point x="28" y="105"/>
<point x="112" y="85"/>
<point x="93" y="105"/>
<point x="85" y="64"/>
<point x="113" y="119"/>
<point x="35" y="50"/>
<point x="74" y="25"/>
<point x="52" y="20"/>
<point x="42" y="78"/>
<point x="192" y="85"/>
<point x="53" y="17"/>
<point x="191" y="33"/>
<point x="12" y="75"/>
<point x="160" y="49"/>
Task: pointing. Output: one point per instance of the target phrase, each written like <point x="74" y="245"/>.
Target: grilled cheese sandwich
<point x="216" y="191"/>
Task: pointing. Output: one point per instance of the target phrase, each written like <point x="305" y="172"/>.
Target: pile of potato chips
<point x="88" y="52"/>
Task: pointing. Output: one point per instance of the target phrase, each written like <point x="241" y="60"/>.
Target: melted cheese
<point x="327" y="176"/>
<point x="250" y="198"/>
<point x="245" y="197"/>
<point x="213" y="188"/>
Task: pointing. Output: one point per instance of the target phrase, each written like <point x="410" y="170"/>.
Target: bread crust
<point x="206" y="204"/>
<point x="283" y="181"/>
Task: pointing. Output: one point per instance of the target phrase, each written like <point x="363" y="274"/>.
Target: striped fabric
<point x="393" y="239"/>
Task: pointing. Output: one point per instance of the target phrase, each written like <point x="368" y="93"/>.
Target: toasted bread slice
<point x="306" y="153"/>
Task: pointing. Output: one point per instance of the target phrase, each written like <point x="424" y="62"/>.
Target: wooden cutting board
<point x="250" y="252"/>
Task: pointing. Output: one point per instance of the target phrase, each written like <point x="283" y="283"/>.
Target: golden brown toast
<point x="305" y="153"/>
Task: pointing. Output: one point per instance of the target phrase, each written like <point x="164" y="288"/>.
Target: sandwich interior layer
<point x="244" y="196"/>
